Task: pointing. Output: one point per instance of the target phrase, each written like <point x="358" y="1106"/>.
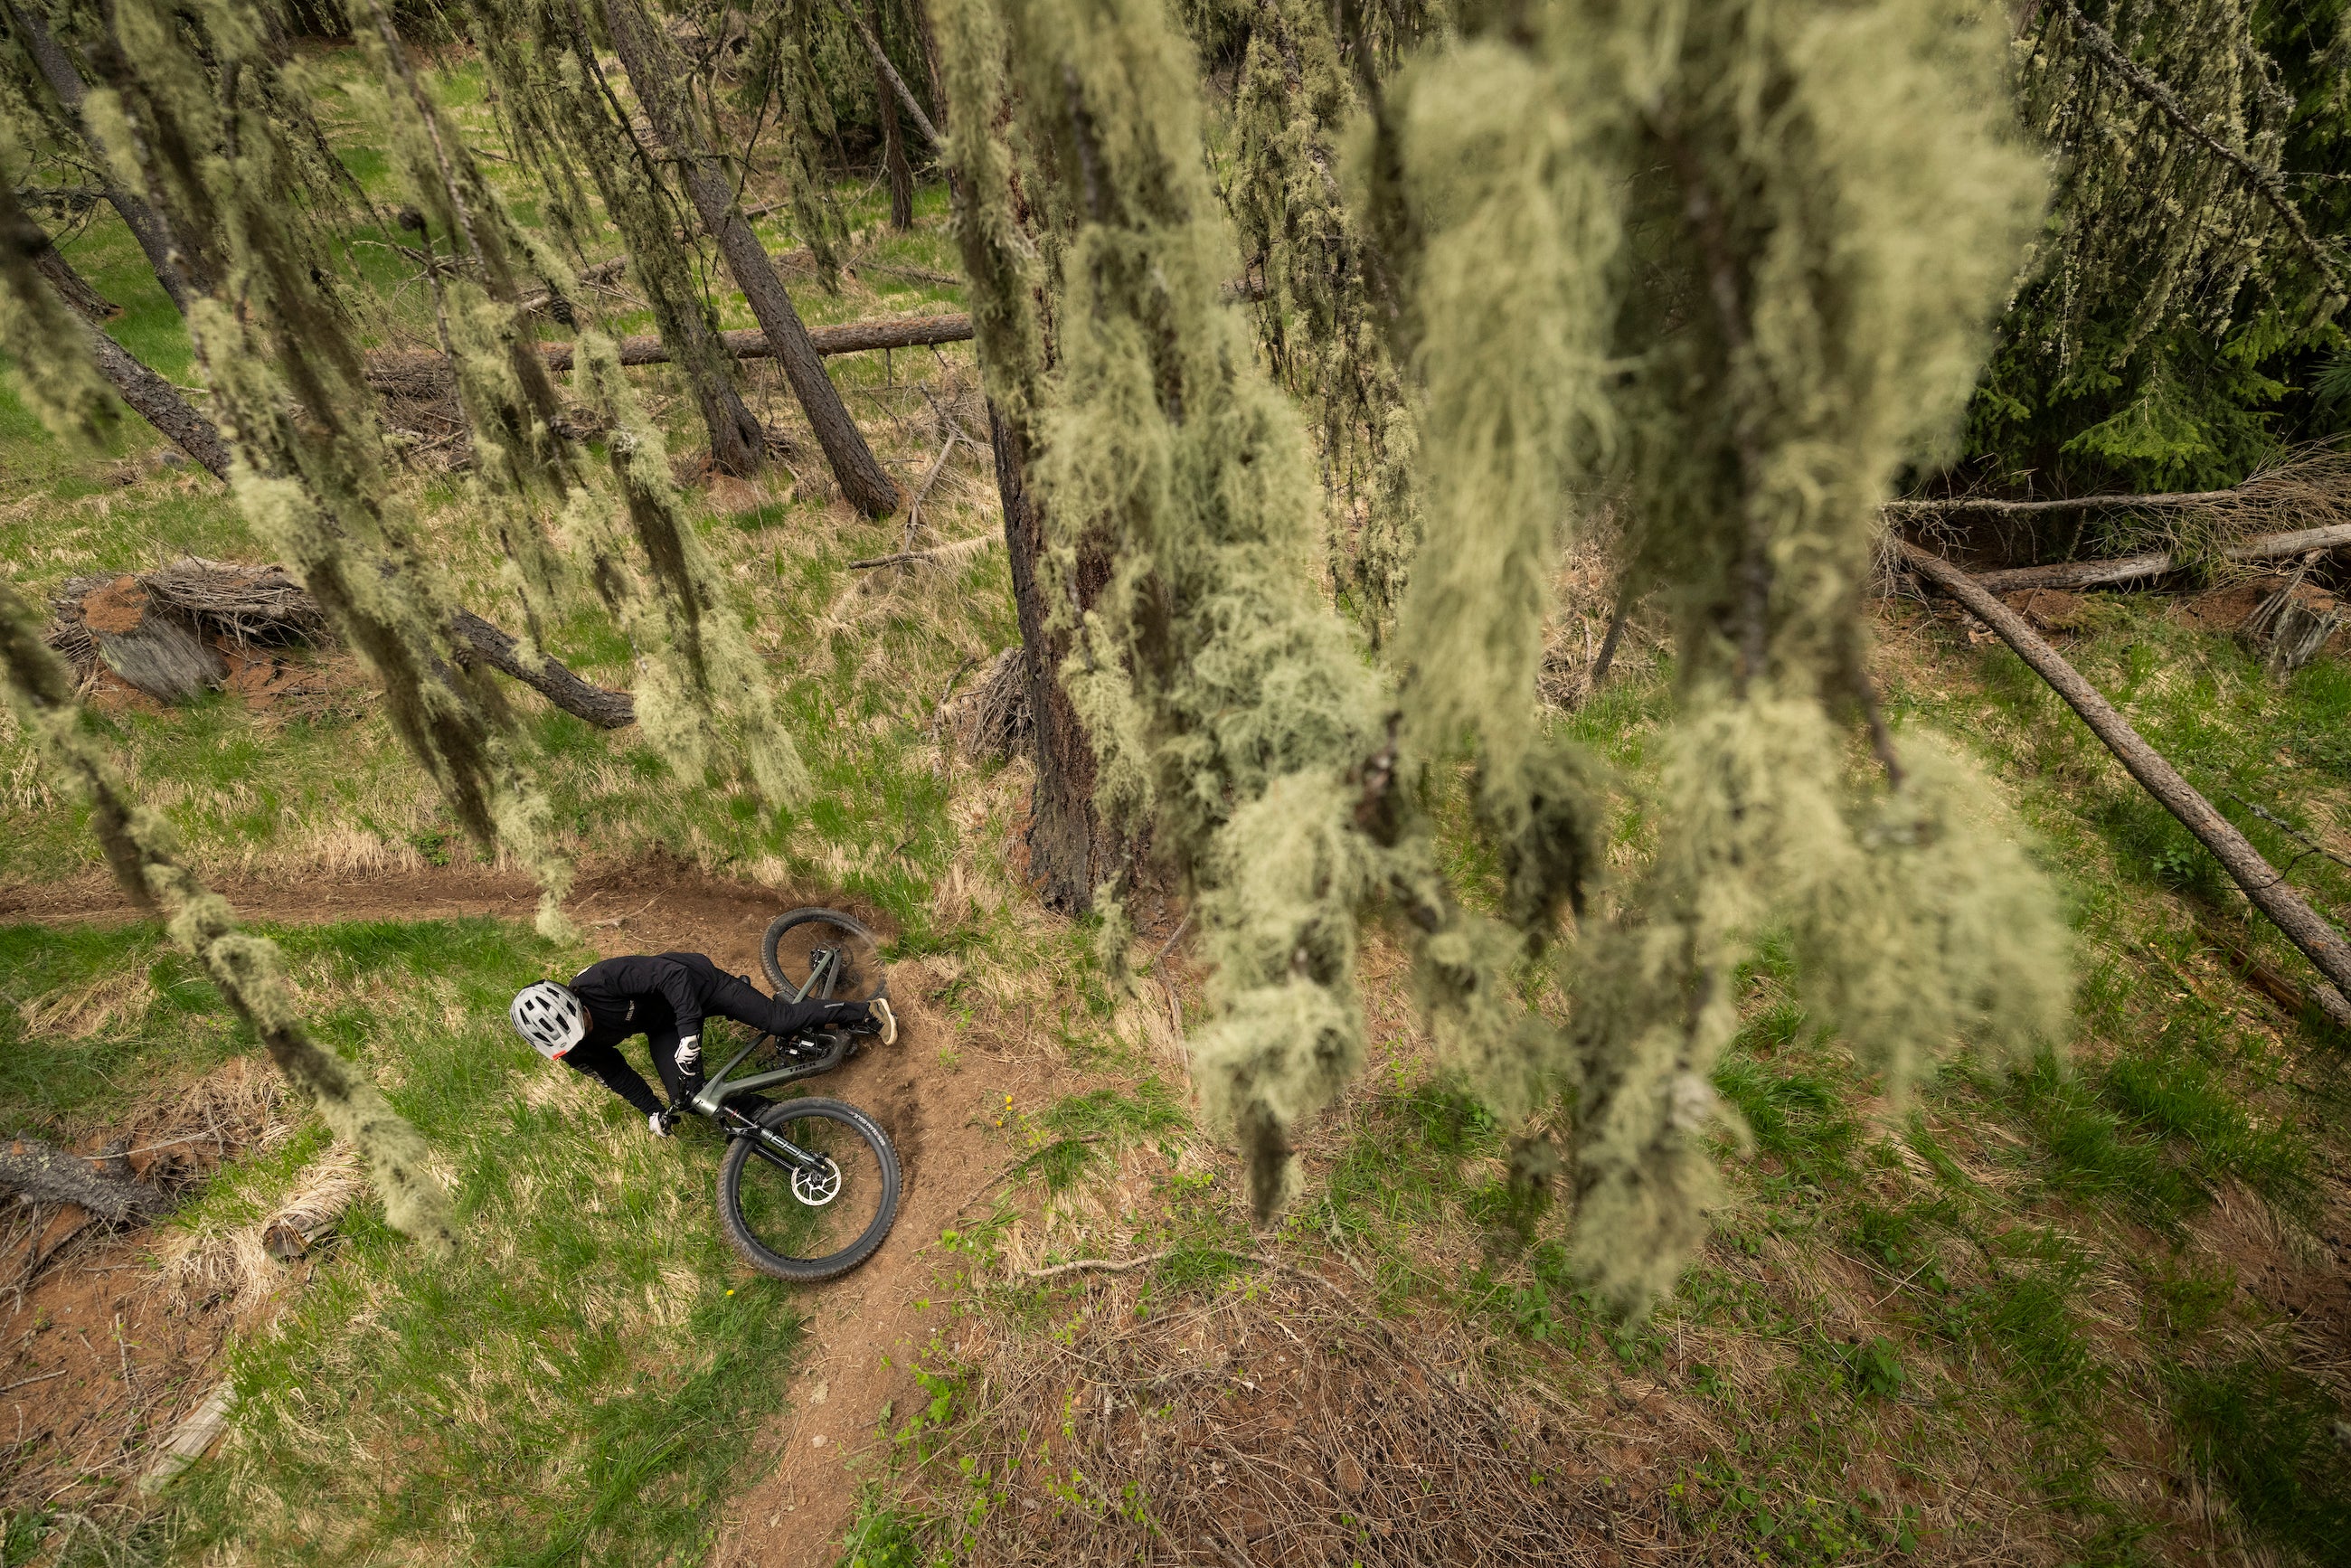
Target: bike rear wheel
<point x="802" y="1227"/>
<point x="797" y="942"/>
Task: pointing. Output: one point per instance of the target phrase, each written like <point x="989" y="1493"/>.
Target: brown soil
<point x="621" y="907"/>
<point x="98" y="1360"/>
<point x="866" y="1330"/>
<point x="863" y="1330"/>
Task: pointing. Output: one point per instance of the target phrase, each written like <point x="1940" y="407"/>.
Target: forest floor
<point x="2094" y="1308"/>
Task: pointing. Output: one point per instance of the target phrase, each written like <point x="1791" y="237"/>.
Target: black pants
<point x="733" y="998"/>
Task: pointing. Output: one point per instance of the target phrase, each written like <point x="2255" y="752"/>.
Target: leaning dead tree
<point x="648" y="53"/>
<point x="2263" y="885"/>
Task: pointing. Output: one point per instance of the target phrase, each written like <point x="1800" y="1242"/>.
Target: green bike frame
<point x="718" y="1089"/>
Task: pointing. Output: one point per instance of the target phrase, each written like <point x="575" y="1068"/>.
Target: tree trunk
<point x="894" y="142"/>
<point x="74" y="288"/>
<point x="155" y="400"/>
<point x="2262" y="883"/>
<point x="50" y="1174"/>
<point x="147" y="645"/>
<point x="152" y="397"/>
<point x="1066" y="847"/>
<point x="550" y="678"/>
<point x="738" y="442"/>
<point x="853" y="465"/>
<point x="181" y="274"/>
<point x="160" y="404"/>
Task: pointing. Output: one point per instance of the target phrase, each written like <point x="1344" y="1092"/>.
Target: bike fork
<point x="771" y="1146"/>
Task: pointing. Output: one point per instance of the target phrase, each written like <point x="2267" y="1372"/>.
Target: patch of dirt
<point x="98" y="1358"/>
<point x="621" y="907"/>
<point x="866" y="1330"/>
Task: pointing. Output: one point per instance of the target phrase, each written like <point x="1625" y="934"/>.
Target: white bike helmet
<point x="550" y="1017"/>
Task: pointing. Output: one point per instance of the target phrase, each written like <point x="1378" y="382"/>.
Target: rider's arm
<point x="608" y="1067"/>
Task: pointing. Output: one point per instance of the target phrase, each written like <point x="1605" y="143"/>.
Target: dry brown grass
<point x="1280" y="1424"/>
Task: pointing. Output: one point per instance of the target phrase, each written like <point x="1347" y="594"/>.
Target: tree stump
<point x="147" y="645"/>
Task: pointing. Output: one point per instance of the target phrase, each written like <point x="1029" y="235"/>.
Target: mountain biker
<point x="664" y="996"/>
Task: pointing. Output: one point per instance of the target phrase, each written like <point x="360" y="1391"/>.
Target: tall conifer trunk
<point x="655" y="74"/>
<point x="1067" y="851"/>
<point x="894" y="142"/>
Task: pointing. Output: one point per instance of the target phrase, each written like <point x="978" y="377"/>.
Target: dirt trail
<point x="862" y="1330"/>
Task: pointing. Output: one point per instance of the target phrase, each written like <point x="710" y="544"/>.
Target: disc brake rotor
<point x="817" y="1188"/>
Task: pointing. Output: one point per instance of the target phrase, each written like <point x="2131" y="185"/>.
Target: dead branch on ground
<point x="2263" y="885"/>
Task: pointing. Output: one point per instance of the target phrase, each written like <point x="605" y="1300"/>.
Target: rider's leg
<point x="737" y="999"/>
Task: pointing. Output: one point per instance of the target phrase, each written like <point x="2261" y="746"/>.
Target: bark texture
<point x="2262" y="884"/>
<point x="160" y="403"/>
<point x="87" y="302"/>
<point x="2156" y="563"/>
<point x="655" y="74"/>
<point x="476" y="638"/>
<point x="48" y="1174"/>
<point x="1066" y="856"/>
<point x="147" y="645"/>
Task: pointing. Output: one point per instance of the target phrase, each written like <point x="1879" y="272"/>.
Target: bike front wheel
<point x="808" y="1225"/>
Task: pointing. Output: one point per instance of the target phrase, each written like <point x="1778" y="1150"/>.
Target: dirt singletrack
<point x="865" y="1329"/>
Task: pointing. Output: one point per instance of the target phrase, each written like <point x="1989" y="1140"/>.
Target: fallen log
<point x="425" y="374"/>
<point x="848" y="338"/>
<point x="604" y="709"/>
<point x="156" y="632"/>
<point x="43" y="1171"/>
<point x="2156" y="563"/>
<point x="2263" y="885"/>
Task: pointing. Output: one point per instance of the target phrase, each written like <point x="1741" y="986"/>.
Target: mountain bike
<point x="809" y="1187"/>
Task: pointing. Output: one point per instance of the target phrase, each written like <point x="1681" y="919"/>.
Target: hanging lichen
<point x="563" y="116"/>
<point x="144" y="853"/>
<point x="702" y="696"/>
<point x="781" y="69"/>
<point x="49" y="362"/>
<point x="524" y="465"/>
<point x="1224" y="701"/>
<point x="1317" y="321"/>
<point x="1737" y="258"/>
<point x="708" y="699"/>
<point x="289" y="388"/>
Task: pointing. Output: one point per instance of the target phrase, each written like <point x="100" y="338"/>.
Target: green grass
<point x="578" y="1385"/>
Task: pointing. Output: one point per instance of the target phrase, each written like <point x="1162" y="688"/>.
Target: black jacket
<point x="664" y="993"/>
